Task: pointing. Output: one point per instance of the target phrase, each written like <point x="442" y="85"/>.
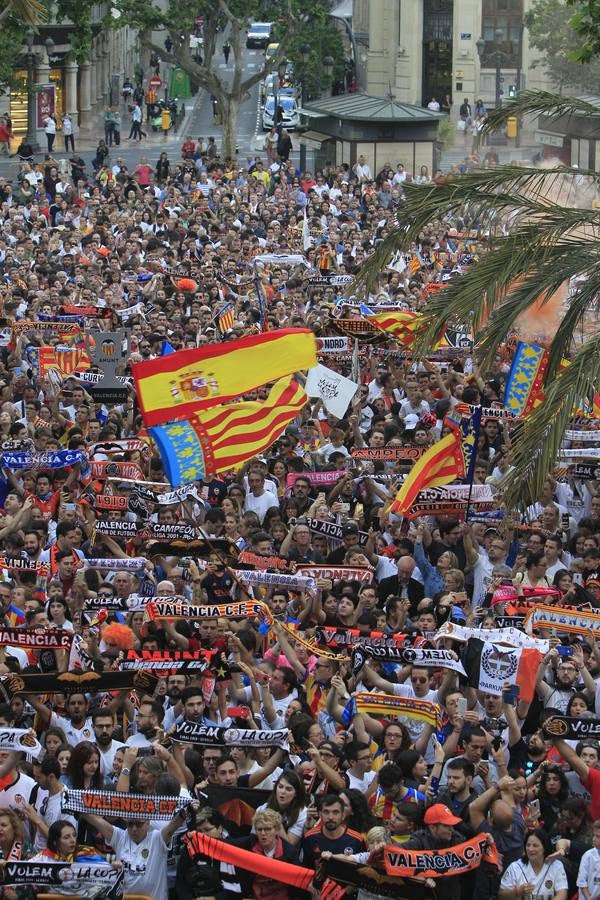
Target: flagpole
<point x="471" y="472"/>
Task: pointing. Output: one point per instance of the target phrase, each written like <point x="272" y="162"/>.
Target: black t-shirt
<point x="313" y="556"/>
<point x="436" y="548"/>
<point x="315" y="841"/>
<point x="218" y="587"/>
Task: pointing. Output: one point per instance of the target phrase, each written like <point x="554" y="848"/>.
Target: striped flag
<point x="177" y="386"/>
<point x="525" y="383"/>
<point x="402" y="325"/>
<point x="223" y="437"/>
<point x="64" y="360"/>
<point x="443" y="463"/>
<point x="415" y="264"/>
<point x="226" y="319"/>
<point x="525" y="380"/>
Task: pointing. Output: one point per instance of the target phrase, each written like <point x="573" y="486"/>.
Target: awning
<point x="314" y="139"/>
<point x="310" y="114"/>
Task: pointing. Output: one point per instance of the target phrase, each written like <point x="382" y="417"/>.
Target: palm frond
<point x="538" y="440"/>
<point x="539" y="103"/>
<point x="30" y="12"/>
<point x="488" y="195"/>
<point x="525" y="267"/>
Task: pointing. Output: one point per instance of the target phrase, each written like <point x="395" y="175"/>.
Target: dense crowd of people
<point x="163" y="252"/>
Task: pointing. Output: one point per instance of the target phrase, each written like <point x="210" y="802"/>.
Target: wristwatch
<point x="125" y="770"/>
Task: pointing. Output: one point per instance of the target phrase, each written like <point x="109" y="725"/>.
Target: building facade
<point x="80" y="89"/>
<point x="420" y="49"/>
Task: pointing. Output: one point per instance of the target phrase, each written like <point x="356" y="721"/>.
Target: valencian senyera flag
<point x="526" y="378"/>
<point x="401" y="325"/>
<point x="223" y="437"/>
<point x="175" y="386"/>
<point x="65" y="360"/>
<point x="525" y="383"/>
<point x="448" y="459"/>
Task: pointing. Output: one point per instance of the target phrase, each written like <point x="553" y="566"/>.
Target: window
<point x="505" y="16"/>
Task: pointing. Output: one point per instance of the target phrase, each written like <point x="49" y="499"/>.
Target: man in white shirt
<point x="149" y="719"/>
<point x="259" y="500"/>
<point x="358" y="774"/>
<point x="362" y="170"/>
<point x="142" y="851"/>
<point x="400" y="174"/>
<point x="103" y="726"/>
<point x="48" y="801"/>
<point x="433" y="105"/>
<point x="77" y="725"/>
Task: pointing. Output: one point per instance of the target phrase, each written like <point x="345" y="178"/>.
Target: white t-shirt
<point x="176" y="844"/>
<point x="138" y="740"/>
<point x="415" y="728"/>
<point x="360" y="784"/>
<point x="12" y="797"/>
<point x="73" y="735"/>
<point x="261" y="504"/>
<point x="297" y="829"/>
<point x="589" y="873"/>
<point x="145" y="863"/>
<point x="552" y="878"/>
<point x="107" y="756"/>
<point x="48" y="808"/>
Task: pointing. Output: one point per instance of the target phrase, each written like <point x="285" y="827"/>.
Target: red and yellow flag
<point x="180" y="384"/>
<point x="222" y="438"/>
<point x="402" y="325"/>
<point x="442" y="464"/>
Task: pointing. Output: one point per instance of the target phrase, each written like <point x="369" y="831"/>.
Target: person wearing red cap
<point x="438" y="834"/>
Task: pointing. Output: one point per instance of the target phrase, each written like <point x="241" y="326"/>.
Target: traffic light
<point x="512" y="91"/>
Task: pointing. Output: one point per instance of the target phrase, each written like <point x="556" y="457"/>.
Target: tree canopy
<point x="551" y="34"/>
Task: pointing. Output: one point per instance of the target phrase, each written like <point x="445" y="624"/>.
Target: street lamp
<point x="31" y="136"/>
<point x="305" y="54"/>
<point x="328" y="64"/>
<point x="499" y="56"/>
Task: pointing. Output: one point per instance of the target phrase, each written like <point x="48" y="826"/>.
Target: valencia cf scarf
<point x="456" y="860"/>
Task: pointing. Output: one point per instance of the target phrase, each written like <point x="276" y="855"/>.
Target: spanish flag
<point x="443" y="463"/>
<point x="222" y="438"/>
<point x="176" y="386"/>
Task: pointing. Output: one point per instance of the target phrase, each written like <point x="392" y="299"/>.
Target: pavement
<point x="198" y="121"/>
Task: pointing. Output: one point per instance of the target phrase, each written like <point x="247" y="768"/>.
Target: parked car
<point x="291" y="116"/>
<point x="259" y="34"/>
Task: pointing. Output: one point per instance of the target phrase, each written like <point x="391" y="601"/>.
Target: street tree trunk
<point x="230" y="106"/>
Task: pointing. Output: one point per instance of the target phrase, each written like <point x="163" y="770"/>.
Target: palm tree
<point x="547" y="244"/>
<point x="31" y="12"/>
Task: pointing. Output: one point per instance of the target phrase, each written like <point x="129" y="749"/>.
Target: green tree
<point x="557" y="43"/>
<point x="586" y="24"/>
<point x="31" y="12"/>
<point x="15" y="15"/>
<point x="297" y="21"/>
<point x="547" y="244"/>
